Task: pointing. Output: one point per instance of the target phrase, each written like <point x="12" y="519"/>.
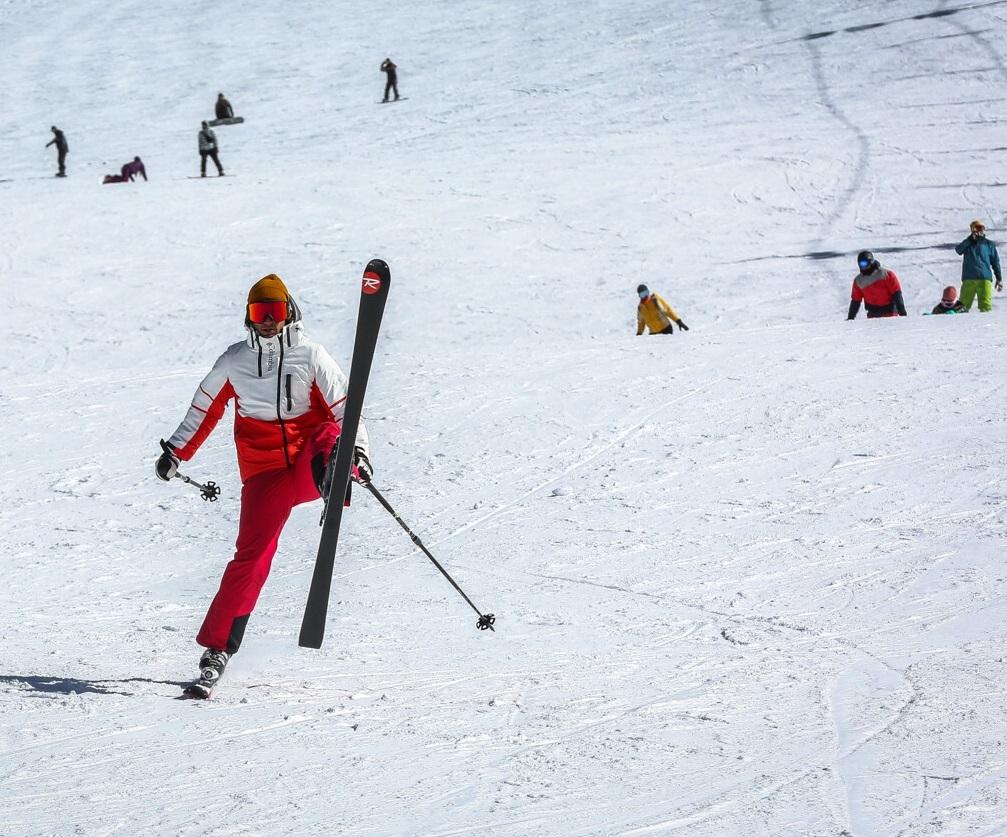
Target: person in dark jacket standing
<point x="59" y="140"/>
<point x="877" y="288"/>
<point x="223" y="108"/>
<point x="208" y="148"/>
<point x="980" y="263"/>
<point x="392" y="83"/>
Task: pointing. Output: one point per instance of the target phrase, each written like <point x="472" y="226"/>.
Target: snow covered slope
<point x="748" y="579"/>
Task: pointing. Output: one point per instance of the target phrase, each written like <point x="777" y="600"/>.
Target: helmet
<point x="977" y="225"/>
<point x="950" y="295"/>
<point x="865" y="260"/>
<point x="642" y="289"/>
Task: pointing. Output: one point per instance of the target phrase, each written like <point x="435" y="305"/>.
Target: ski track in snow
<point x="748" y="579"/>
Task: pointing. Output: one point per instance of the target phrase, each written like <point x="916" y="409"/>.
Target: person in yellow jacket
<point x="655" y="313"/>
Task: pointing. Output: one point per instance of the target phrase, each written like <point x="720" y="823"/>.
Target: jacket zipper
<point x="279" y="414"/>
<point x="290" y="403"/>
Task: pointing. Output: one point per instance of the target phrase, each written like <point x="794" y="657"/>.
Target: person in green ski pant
<point x="980" y="263"/>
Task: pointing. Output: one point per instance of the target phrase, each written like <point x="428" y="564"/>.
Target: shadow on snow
<point x="73" y="686"/>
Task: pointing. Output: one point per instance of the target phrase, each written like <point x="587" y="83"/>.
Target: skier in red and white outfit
<point x="289" y="396"/>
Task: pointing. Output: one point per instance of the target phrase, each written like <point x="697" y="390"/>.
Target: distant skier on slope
<point x="392" y="81"/>
<point x="877" y="288"/>
<point x="656" y="314"/>
<point x="62" y="149"/>
<point x="949" y="304"/>
<point x="289" y="395"/>
<point x="223" y="108"/>
<point x="980" y="263"/>
<point x="208" y="148"/>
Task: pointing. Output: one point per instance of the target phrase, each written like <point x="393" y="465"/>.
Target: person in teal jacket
<point x="980" y="263"/>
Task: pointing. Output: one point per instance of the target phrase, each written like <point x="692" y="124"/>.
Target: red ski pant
<point x="266" y="502"/>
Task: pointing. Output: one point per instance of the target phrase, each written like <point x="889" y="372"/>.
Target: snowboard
<point x="391" y="101"/>
<point x="208" y="177"/>
<point x="228" y="120"/>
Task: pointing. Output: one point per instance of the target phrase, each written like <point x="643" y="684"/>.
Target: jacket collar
<point x="291" y="335"/>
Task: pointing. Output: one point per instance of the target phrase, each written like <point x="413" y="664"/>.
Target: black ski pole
<point x="209" y="490"/>
<point x="486" y="620"/>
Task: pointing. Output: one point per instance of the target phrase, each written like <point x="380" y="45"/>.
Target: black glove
<point x="682" y="326"/>
<point x="364" y="470"/>
<point x="318" y="473"/>
<point x="167" y="463"/>
<point x="854" y="309"/>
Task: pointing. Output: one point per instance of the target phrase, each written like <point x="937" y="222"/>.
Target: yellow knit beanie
<point x="268" y="288"/>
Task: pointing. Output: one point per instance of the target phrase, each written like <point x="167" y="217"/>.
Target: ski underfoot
<point x="199" y="690"/>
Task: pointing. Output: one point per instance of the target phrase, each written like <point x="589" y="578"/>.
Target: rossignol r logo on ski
<point x="371" y="283"/>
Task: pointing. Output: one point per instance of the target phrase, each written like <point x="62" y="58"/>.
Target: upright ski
<point x="373" y="293"/>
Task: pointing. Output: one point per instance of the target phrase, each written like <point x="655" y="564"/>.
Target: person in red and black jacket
<point x="877" y="288"/>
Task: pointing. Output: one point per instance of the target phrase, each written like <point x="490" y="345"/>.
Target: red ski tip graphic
<point x="372" y="283"/>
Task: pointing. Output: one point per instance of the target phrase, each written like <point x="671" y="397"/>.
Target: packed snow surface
<point x="748" y="579"/>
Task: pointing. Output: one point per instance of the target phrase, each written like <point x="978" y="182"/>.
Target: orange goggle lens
<point x="258" y="312"/>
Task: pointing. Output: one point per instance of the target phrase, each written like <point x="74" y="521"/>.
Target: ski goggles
<point x="259" y="312"/>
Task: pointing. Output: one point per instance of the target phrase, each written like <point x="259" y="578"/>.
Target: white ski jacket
<point x="283" y="388"/>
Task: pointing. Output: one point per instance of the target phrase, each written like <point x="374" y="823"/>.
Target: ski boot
<point x="211" y="666"/>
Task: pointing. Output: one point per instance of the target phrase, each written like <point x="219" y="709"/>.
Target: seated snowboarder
<point x="223" y="108"/>
<point x="656" y="314"/>
<point x="950" y="303"/>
